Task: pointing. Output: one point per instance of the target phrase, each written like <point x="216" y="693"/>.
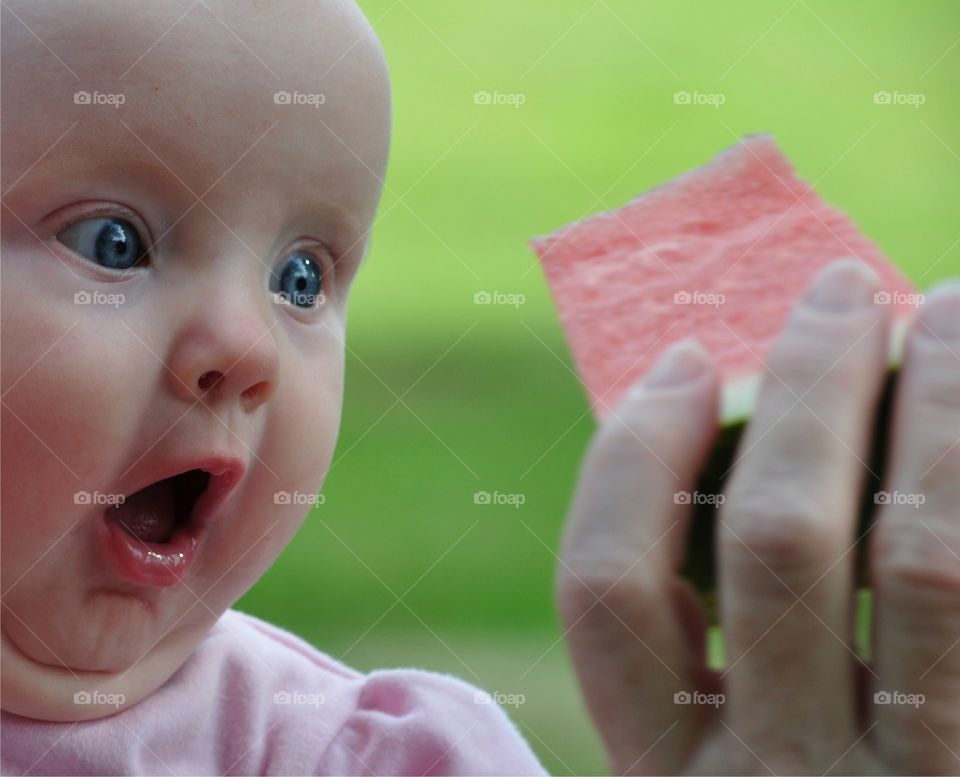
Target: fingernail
<point x="681" y="363"/>
<point x="842" y="287"/>
<point x="940" y="314"/>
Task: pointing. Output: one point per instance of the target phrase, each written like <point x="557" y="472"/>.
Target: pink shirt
<point x="254" y="699"/>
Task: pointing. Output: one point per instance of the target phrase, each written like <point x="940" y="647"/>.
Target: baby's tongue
<point x="150" y="514"/>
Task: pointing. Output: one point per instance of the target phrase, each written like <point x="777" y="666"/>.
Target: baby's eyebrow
<point x="332" y="211"/>
<point x="50" y="173"/>
<point x="340" y="220"/>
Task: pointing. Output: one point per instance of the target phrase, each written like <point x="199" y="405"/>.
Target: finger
<point x="915" y="555"/>
<point x="635" y="630"/>
<point x="787" y="526"/>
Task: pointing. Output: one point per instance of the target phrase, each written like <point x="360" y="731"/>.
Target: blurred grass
<point x="488" y="399"/>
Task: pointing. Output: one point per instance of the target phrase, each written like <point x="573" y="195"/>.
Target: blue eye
<point x="113" y="243"/>
<point x="298" y="280"/>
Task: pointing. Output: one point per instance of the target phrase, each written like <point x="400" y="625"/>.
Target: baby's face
<point x="176" y="263"/>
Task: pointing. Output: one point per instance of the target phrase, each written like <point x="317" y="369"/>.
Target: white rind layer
<point x="739" y="396"/>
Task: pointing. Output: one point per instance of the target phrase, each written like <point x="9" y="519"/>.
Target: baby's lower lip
<point x="159" y="564"/>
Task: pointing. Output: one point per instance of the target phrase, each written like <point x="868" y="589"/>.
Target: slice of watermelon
<point x="721" y="254"/>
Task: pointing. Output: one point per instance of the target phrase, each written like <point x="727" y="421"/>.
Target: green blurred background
<point x="445" y="398"/>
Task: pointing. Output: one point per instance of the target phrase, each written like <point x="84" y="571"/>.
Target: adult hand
<point x="795" y="697"/>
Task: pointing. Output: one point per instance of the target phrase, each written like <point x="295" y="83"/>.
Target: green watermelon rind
<point x="739" y="395"/>
<point x="738" y="402"/>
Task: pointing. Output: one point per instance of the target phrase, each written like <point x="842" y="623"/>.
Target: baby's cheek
<point x="65" y="415"/>
<point x="292" y="457"/>
<point x="308" y="418"/>
<point x="80" y="398"/>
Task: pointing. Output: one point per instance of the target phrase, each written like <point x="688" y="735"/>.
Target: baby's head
<point x="188" y="193"/>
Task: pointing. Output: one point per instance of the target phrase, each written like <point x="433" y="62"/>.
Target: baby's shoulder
<point x="245" y="648"/>
<point x="301" y="711"/>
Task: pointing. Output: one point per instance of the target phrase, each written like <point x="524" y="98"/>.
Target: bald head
<point x="287" y="100"/>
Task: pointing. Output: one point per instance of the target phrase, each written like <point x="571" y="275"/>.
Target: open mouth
<point x="153" y="514"/>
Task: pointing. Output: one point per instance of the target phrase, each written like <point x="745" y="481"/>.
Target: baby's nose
<point x="236" y="363"/>
<point x="250" y="398"/>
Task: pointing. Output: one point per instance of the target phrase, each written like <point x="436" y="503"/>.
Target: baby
<point x="195" y="184"/>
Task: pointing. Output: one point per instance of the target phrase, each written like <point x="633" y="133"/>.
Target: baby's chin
<point x="99" y="672"/>
<point x="74" y="652"/>
<point x="74" y="614"/>
<point x="108" y="633"/>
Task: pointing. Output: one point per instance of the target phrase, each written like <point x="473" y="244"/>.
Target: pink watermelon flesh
<point x="743" y="226"/>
